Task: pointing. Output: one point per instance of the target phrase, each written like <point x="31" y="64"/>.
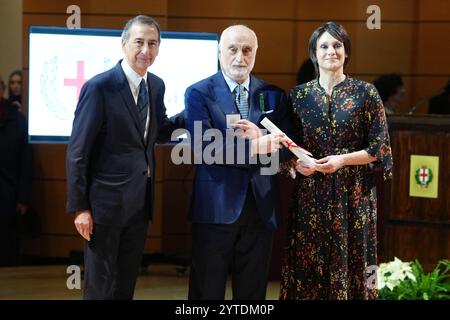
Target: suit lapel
<point x="255" y="110"/>
<point x="127" y="96"/>
<point x="153" y="88"/>
<point x="222" y="94"/>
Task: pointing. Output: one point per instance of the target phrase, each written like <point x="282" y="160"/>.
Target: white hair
<point x="236" y="26"/>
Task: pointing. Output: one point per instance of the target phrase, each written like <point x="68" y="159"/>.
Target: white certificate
<point x="300" y="153"/>
<point x="232" y="119"/>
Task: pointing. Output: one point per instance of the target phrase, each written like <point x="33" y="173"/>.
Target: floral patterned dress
<point x="332" y="224"/>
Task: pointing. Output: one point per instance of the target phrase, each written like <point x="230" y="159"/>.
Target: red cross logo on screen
<point x="79" y="80"/>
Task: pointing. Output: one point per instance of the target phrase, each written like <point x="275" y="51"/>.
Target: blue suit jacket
<point x="107" y="157"/>
<point x="220" y="190"/>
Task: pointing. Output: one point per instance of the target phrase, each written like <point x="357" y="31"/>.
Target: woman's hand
<point x="330" y="164"/>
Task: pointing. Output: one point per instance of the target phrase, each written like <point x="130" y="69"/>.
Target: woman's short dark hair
<point x="141" y="19"/>
<point x="338" y="32"/>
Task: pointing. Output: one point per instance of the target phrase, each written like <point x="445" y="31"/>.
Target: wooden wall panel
<point x="159" y="162"/>
<point x="434" y="10"/>
<point x="176" y="234"/>
<point x="446" y="244"/>
<point x="284" y="81"/>
<point x="152" y="244"/>
<point x="172" y="171"/>
<point x="323" y="10"/>
<point x="49" y="201"/>
<point x="445" y="175"/>
<point x="275" y="46"/>
<point x="175" y="217"/>
<point x="155" y="227"/>
<point x="409" y="243"/>
<point x="178" y="245"/>
<point x="382" y="51"/>
<point x="433" y="56"/>
<point x="198" y="25"/>
<point x="49" y="161"/>
<point x="100" y="7"/>
<point x="231" y="9"/>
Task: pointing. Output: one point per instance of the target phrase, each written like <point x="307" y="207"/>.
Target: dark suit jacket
<point x="107" y="157"/>
<point x="15" y="159"/>
<point x="220" y="190"/>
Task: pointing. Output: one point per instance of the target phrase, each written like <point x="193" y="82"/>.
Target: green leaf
<point x="428" y="286"/>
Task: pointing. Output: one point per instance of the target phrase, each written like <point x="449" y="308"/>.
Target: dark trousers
<point x="244" y="248"/>
<point x="112" y="260"/>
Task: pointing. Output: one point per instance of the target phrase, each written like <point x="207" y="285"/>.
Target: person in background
<point x="15" y="178"/>
<point x="440" y="104"/>
<point x="15" y="89"/>
<point x="332" y="225"/>
<point x="391" y="89"/>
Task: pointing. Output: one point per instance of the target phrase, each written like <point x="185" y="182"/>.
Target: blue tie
<point x="242" y="101"/>
<point x="142" y="103"/>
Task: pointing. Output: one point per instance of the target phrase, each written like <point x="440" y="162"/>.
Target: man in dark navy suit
<point x="234" y="208"/>
<point x="111" y="164"/>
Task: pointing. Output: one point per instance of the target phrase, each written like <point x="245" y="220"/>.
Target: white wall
<point x="10" y="37"/>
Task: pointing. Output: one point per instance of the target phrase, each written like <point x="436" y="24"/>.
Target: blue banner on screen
<point x="62" y="60"/>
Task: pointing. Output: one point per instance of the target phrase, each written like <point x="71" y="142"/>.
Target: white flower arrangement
<point x="390" y="274"/>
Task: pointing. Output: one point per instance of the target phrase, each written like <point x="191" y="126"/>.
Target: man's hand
<point x="305" y="168"/>
<point x="330" y="164"/>
<point x="268" y="143"/>
<point x="84" y="224"/>
<point x="247" y="129"/>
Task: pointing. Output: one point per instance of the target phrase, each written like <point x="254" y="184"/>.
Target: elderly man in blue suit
<point x="111" y="163"/>
<point x="234" y="206"/>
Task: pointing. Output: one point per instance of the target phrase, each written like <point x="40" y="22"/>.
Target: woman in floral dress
<point x="332" y="225"/>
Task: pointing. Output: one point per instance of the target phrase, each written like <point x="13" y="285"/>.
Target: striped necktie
<point x="242" y="100"/>
<point x="142" y="103"/>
